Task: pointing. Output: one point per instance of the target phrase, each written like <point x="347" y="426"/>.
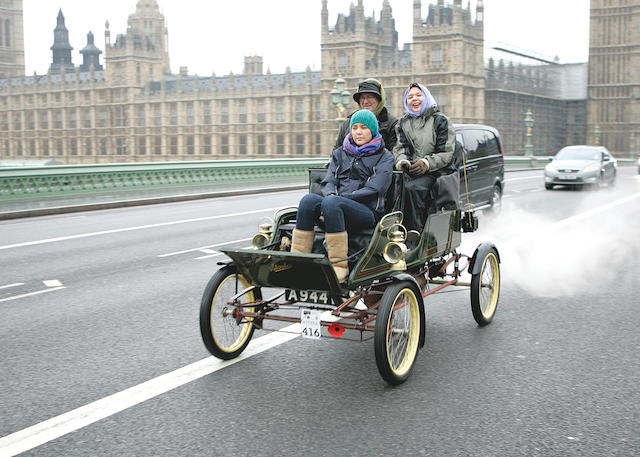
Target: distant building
<point x="614" y="75"/>
<point x="135" y="109"/>
<point x="11" y="39"/>
<point x="555" y="94"/>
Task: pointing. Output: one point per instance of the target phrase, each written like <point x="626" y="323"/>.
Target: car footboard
<point x="281" y="269"/>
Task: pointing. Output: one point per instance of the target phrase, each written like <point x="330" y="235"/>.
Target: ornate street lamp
<point x="340" y="98"/>
<point x="596" y="134"/>
<point x="528" y="123"/>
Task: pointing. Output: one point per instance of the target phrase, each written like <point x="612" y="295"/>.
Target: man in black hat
<point x="370" y="96"/>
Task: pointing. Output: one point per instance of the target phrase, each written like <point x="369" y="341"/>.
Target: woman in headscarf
<point x="425" y="146"/>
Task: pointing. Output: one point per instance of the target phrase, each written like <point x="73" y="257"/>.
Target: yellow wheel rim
<point x="489" y="285"/>
<point x="403" y="332"/>
<point x="227" y="333"/>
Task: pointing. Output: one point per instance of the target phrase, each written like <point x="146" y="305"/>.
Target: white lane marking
<point x="52" y="283"/>
<point x="15" y="284"/>
<point x="58" y="426"/>
<point x="15" y="297"/>
<point x="208" y="251"/>
<point x="202" y="248"/>
<point x="593" y="211"/>
<point x="208" y="256"/>
<point x="524" y="177"/>
<point x="129" y="229"/>
<point x="216" y="254"/>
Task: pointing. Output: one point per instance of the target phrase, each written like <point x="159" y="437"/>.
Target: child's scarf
<point x="366" y="149"/>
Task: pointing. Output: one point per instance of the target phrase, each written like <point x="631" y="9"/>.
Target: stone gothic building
<point x="135" y="109"/>
<point x="613" y="102"/>
<point x="11" y="39"/>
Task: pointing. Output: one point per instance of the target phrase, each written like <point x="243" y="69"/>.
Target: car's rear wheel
<point x="485" y="288"/>
<point x="496" y="201"/>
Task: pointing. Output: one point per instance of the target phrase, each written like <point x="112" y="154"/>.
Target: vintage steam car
<point x="383" y="296"/>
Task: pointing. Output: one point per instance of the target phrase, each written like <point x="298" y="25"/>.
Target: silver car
<point x="581" y="165"/>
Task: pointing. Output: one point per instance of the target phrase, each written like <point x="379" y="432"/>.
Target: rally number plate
<point x="307" y="296"/>
<point x="310" y="324"/>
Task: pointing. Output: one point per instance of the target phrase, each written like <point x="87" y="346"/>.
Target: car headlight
<point x="590" y="169"/>
<point x="263" y="237"/>
<point x="395" y="249"/>
<point x="550" y="168"/>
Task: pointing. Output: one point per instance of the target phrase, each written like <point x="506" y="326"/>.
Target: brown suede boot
<point x="302" y="241"/>
<point x="337" y="248"/>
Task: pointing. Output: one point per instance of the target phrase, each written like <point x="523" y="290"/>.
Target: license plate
<point x="569" y="176"/>
<point x="310" y="323"/>
<point x="307" y="296"/>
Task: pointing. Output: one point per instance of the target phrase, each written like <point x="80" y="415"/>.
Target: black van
<point x="483" y="167"/>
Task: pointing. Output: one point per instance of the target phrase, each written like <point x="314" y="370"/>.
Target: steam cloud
<point x="566" y="256"/>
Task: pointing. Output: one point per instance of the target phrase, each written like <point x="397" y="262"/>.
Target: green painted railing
<point x="37" y="182"/>
<point x="512" y="162"/>
<point x="25" y="183"/>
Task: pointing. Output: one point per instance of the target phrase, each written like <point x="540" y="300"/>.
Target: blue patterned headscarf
<point x="427" y="102"/>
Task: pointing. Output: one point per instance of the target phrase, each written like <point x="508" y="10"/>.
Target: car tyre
<point x="496" y="201"/>
<point x="485" y="287"/>
<point x="222" y="333"/>
<point x="397" y="331"/>
<point x="548" y="186"/>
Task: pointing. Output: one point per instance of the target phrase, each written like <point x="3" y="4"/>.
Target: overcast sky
<point x="214" y="35"/>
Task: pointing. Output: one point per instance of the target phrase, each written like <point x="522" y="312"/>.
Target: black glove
<point x="418" y="168"/>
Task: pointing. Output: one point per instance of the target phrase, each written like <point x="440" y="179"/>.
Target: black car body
<point x="482" y="171"/>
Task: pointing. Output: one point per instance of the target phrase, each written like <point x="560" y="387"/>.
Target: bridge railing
<point x="34" y="182"/>
<point x="25" y="183"/>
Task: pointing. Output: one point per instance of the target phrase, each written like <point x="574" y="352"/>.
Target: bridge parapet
<point x="37" y="182"/>
<point x="31" y="183"/>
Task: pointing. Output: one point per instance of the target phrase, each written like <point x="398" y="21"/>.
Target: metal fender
<point x="404" y="277"/>
<point x="481" y="251"/>
<point x="423" y="320"/>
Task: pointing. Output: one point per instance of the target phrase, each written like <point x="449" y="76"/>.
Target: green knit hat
<point x="367" y="118"/>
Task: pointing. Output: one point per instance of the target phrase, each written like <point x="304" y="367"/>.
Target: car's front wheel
<point x="223" y="332"/>
<point x="397" y="331"/>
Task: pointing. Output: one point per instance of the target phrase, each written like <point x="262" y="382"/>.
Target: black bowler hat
<point x="370" y="87"/>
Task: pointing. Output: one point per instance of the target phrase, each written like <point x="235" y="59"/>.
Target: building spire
<point x="61" y="48"/>
<point x="90" y="55"/>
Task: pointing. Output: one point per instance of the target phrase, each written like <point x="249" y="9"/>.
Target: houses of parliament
<point x="123" y="103"/>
